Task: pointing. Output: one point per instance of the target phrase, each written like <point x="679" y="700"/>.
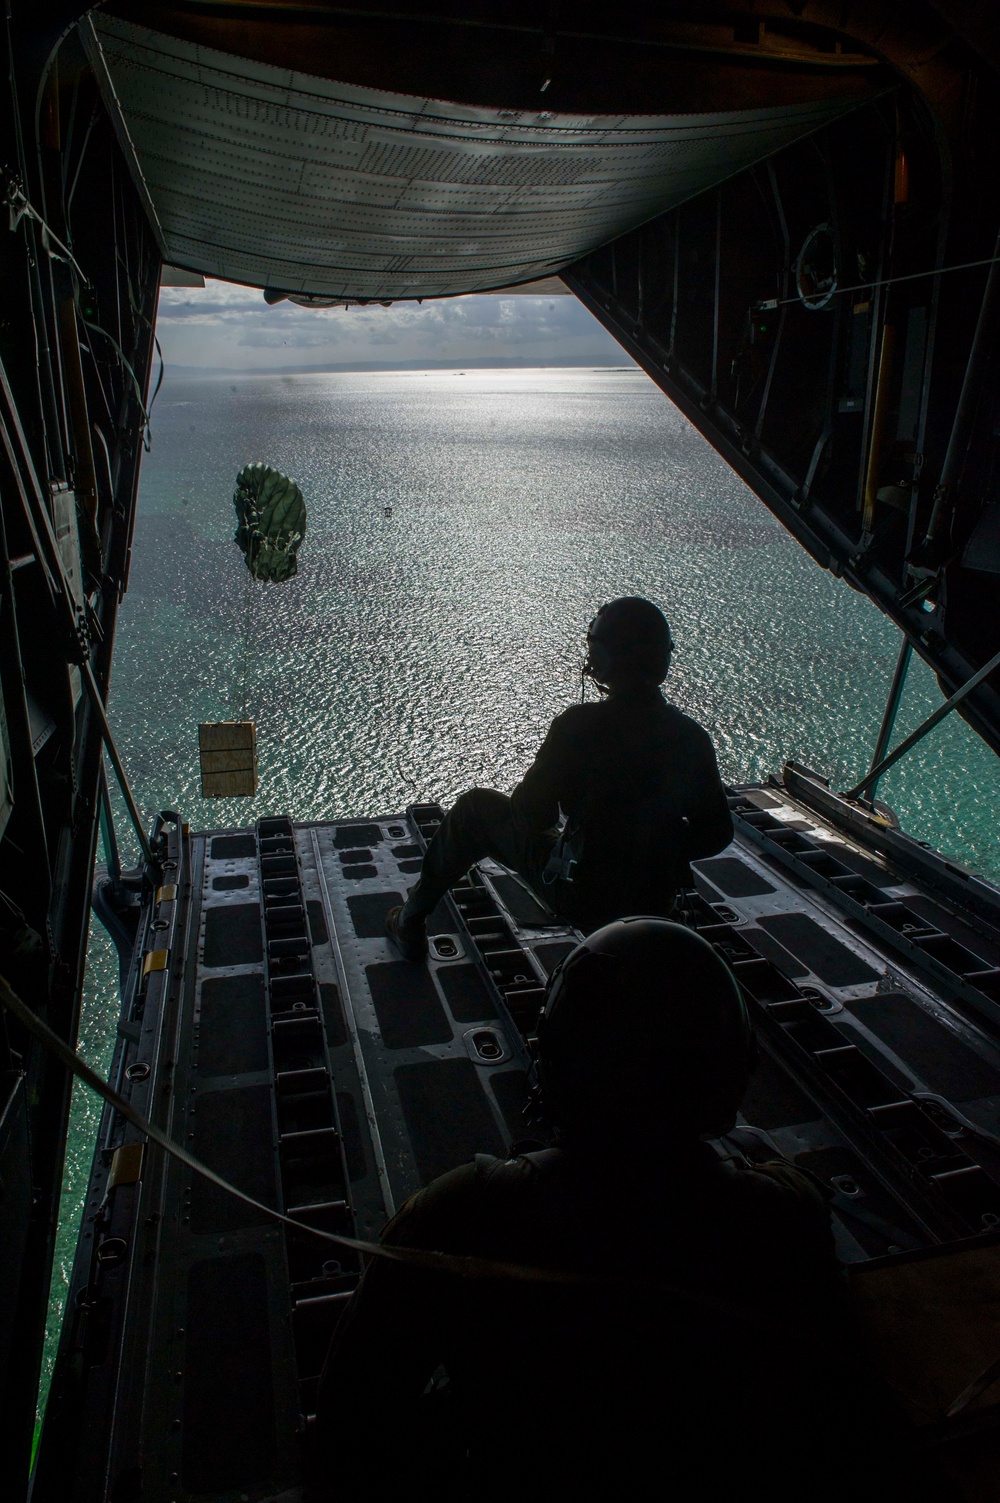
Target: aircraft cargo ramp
<point x="270" y="1028"/>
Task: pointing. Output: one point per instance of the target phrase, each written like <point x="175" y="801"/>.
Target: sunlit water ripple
<point x="416" y="654"/>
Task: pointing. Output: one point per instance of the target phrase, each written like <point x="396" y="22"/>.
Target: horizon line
<point x="372" y="366"/>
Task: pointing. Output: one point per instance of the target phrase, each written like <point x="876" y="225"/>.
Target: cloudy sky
<point x="230" y="327"/>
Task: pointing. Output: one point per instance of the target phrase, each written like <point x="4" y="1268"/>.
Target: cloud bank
<point x="230" y="327"/>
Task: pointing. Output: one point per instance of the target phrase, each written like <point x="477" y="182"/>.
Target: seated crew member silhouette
<point x="697" y="1357"/>
<point x="637" y="783"/>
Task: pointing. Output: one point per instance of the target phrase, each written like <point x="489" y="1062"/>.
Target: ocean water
<point x="420" y="653"/>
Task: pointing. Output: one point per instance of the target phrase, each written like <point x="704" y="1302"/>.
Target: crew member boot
<point x="407" y="937"/>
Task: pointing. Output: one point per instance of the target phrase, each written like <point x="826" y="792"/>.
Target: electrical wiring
<point x="83" y="152"/>
<point x="159" y="380"/>
<point x="144" y="410"/>
<point x="137" y="311"/>
<point x="22" y="208"/>
<point x="99" y="377"/>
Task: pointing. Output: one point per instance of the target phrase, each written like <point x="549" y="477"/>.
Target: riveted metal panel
<point x="311" y="186"/>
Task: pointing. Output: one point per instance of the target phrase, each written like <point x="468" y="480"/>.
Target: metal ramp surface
<point x="267" y="1024"/>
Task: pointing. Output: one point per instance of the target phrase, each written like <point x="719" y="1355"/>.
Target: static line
<point x="767" y="304"/>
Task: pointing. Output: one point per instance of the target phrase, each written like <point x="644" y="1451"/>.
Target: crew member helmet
<point x="630" y="635"/>
<point x="644" y="1036"/>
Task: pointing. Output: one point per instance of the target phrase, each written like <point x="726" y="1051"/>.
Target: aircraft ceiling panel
<point x="280" y="179"/>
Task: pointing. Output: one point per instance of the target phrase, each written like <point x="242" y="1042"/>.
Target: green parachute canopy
<point x="271" y="521"/>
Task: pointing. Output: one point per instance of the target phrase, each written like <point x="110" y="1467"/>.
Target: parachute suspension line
<point x="247" y="620"/>
<point x="270" y="525"/>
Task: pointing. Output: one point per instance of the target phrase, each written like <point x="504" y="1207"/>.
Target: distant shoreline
<point x="399" y="366"/>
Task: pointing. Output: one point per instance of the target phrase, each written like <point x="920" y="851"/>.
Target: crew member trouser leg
<point x="481" y="823"/>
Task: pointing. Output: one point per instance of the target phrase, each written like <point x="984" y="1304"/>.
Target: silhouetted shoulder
<point x="472" y="1208"/>
<point x="577" y="721"/>
<point x="443" y="1215"/>
<point x="683" y="727"/>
